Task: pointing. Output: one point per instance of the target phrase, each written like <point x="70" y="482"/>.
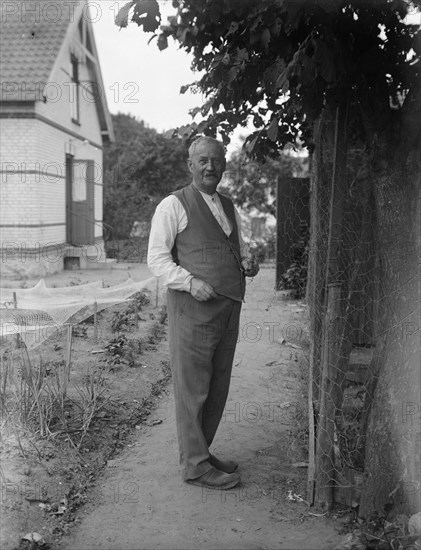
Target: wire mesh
<point x="343" y="311"/>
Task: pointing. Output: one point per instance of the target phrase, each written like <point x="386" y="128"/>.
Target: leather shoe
<point x="215" y="479"/>
<point x="227" y="466"/>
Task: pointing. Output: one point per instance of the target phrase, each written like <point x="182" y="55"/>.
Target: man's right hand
<point x="201" y="290"/>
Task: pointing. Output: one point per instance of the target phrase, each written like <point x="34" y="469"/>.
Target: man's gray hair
<point x="205" y="139"/>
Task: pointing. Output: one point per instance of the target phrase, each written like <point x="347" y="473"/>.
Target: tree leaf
<point x="250" y="144"/>
<point x="122" y="17"/>
<point x="283" y="77"/>
<point x="147" y="14"/>
<point x="324" y="59"/>
<point x="182" y="33"/>
<point x="232" y="75"/>
<point x="308" y="72"/>
<point x="265" y="38"/>
<point x="193" y="112"/>
<point x="233" y="28"/>
<point x="272" y="131"/>
<point x="162" y="42"/>
<point x="169" y="134"/>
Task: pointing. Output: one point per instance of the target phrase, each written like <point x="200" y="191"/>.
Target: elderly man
<point x="195" y="247"/>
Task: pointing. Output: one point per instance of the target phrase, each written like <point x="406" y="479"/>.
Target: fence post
<point x="95" y="321"/>
<point x="69" y="345"/>
<point x="333" y="333"/>
<point x="15" y="305"/>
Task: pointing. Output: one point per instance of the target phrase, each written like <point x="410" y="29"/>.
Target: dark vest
<point x="204" y="250"/>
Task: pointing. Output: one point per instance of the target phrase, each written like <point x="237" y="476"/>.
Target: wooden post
<point x="69" y="343"/>
<point x="311" y="444"/>
<point x="95" y="321"/>
<point x="15" y="305"/>
<point x="333" y="333"/>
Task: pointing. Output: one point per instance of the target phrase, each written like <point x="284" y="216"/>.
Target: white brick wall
<point x="30" y="144"/>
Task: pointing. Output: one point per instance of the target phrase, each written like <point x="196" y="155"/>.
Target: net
<point x="37" y="313"/>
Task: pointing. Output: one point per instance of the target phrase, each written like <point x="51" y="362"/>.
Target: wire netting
<point x="343" y="362"/>
<point x="36" y="313"/>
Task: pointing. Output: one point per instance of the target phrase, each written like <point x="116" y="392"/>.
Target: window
<point x="79" y="181"/>
<point x="74" y="89"/>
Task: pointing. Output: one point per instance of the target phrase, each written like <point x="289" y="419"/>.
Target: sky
<point x="141" y="80"/>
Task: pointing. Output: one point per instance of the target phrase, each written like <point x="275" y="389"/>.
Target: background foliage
<point x="140" y="168"/>
<point x="252" y="184"/>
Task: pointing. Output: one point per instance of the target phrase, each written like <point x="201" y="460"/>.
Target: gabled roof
<point x="29" y="43"/>
<point x="32" y="33"/>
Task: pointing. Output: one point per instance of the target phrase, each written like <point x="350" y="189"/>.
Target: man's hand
<point x="201" y="290"/>
<point x="250" y="267"/>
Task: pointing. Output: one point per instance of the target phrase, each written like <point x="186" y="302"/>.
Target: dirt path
<point x="141" y="501"/>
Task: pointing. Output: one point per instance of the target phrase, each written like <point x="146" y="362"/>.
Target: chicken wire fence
<point x="343" y="298"/>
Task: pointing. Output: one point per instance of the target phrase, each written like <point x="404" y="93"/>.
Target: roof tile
<point x="31" y="33"/>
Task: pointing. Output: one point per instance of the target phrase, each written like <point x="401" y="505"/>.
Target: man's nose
<point x="210" y="164"/>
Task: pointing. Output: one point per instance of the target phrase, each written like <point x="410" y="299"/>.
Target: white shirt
<point x="169" y="219"/>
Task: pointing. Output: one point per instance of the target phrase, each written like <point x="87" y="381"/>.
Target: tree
<point x="140" y="168"/>
<point x="279" y="63"/>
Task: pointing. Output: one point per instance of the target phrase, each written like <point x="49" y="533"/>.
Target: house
<point x="54" y="122"/>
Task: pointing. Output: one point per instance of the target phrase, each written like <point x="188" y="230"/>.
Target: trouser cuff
<point x="193" y="472"/>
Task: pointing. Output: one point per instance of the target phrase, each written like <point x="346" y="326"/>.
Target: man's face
<point x="207" y="165"/>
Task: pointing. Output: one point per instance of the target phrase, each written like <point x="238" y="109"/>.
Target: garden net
<point x="37" y="313"/>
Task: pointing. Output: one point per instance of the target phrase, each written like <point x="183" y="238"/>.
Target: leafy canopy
<point x="278" y="63"/>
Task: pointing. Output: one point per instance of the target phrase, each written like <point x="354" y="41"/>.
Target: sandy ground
<point x="141" y="502"/>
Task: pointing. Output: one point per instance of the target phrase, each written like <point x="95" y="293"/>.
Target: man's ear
<point x="189" y="164"/>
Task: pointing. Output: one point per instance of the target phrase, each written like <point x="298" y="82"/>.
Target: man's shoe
<point x="227" y="466"/>
<point x="215" y="479"/>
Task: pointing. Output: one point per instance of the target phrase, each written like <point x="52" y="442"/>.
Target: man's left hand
<point x="250" y="267"/>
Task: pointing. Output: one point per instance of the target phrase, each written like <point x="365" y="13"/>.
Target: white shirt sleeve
<point x="169" y="219"/>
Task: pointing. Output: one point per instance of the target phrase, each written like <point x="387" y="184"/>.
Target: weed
<point x="115" y="345"/>
<point x="156" y="333"/>
<point x="133" y="351"/>
<point x="162" y="315"/>
<point x="122" y="321"/>
<point x="138" y="300"/>
<point x="80" y="331"/>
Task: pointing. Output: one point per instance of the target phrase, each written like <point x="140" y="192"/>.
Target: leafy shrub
<point x="295" y="277"/>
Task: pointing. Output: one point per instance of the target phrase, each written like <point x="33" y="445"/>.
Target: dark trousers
<point x="202" y="340"/>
